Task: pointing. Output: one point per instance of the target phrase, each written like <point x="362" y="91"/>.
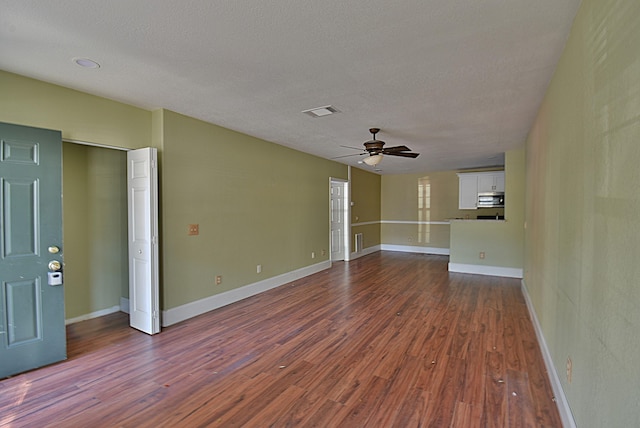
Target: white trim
<point x="124" y="305"/>
<point x="192" y="309"/>
<point x="412" y="222"/>
<point x="88" y="143"/>
<point x="415" y="249"/>
<point x="364" y="223"/>
<point x="365" y="252"/>
<point x="95" y="314"/>
<point x="561" y="398"/>
<point x="486" y="270"/>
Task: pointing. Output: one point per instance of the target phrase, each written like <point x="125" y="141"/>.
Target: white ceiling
<point x="458" y="81"/>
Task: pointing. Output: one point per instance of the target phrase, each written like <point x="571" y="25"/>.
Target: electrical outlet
<point x="193" y="229"/>
<point x="569" y="369"/>
<point x="258" y="268"/>
<point x="218" y="279"/>
<point x="313" y="254"/>
<point x="482" y="254"/>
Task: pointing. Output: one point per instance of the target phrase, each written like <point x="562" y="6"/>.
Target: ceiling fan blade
<point x="397" y="149"/>
<point x="353" y="154"/>
<point x="354" y="148"/>
<point x="403" y="154"/>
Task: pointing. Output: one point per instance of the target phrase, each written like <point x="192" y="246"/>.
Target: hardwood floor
<point x="387" y="340"/>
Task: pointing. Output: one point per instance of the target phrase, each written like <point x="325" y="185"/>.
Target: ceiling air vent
<point x="321" y="111"/>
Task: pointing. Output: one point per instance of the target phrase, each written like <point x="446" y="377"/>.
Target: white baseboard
<point x="415" y="249"/>
<point x="485" y="270"/>
<point x="95" y="314"/>
<point x="364" y="252"/>
<point x="192" y="309"/>
<point x="561" y="398"/>
<point x="124" y="305"/>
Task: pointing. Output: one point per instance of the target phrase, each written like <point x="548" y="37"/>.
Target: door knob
<point x="54" y="265"/>
<point x="53" y="249"/>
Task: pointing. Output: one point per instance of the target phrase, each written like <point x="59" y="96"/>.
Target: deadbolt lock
<point x="54" y="265"/>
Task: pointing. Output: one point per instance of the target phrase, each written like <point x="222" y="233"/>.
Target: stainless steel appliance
<point x="491" y="200"/>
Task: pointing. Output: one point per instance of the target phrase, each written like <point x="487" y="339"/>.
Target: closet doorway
<point x="96" y="272"/>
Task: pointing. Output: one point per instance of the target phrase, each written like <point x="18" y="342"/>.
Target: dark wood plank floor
<point x="387" y="340"/>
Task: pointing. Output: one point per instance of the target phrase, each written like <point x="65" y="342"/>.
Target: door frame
<point x="346" y="231"/>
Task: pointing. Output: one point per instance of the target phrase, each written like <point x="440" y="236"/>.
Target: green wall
<point x="95" y="229"/>
<point x="78" y="115"/>
<point x="582" y="259"/>
<point x="366" y="200"/>
<point x="255" y="203"/>
<point x="502" y="242"/>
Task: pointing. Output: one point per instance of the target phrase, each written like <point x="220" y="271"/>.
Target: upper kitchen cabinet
<point x="491" y="182"/>
<point x="472" y="183"/>
<point x="468" y="191"/>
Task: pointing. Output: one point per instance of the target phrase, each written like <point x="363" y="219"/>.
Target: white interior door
<point x="337" y="216"/>
<point x="142" y="179"/>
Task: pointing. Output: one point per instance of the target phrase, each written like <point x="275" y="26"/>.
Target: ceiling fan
<point x="375" y="150"/>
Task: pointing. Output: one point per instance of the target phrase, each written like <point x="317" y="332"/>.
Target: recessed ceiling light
<point x="86" y="63"/>
<point x="321" y="111"/>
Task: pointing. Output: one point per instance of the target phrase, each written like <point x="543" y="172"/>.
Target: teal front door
<point x="32" y="329"/>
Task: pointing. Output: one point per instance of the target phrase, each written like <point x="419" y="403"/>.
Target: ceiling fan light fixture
<point x="373" y="160"/>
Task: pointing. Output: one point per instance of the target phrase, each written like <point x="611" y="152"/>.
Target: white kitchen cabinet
<point x="472" y="183"/>
<point x="491" y="182"/>
<point x="468" y="191"/>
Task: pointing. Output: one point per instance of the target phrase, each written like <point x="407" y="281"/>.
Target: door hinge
<point x="154" y="240"/>
<point x="153" y="164"/>
<point x="155" y="314"/>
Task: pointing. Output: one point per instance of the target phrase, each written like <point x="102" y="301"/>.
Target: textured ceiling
<point x="459" y="81"/>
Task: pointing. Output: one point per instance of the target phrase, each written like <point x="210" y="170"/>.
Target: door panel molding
<point x="20" y="220"/>
<point x="24" y="311"/>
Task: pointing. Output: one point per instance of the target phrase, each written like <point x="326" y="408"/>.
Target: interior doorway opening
<point x="96" y="273"/>
<point x="339" y="215"/>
